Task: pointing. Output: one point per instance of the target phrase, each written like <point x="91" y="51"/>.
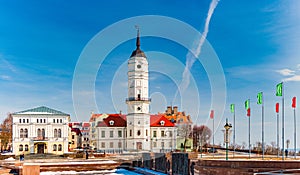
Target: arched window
<point x="39" y="132"/>
<point x="20" y="147"/>
<point x="54" y="147"/>
<point x="59" y="147"/>
<point x="26" y="147"/>
<point x="21" y="133"/>
<point x="59" y="133"/>
<point x="55" y="132"/>
<point x="43" y="132"/>
<point x="25" y="134"/>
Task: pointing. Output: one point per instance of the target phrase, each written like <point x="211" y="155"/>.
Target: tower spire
<point x="138" y="43"/>
<point x="138" y="52"/>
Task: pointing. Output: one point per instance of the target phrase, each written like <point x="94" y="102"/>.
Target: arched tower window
<point x="25" y="133"/>
<point x="59" y="133"/>
<point x="55" y="132"/>
<point x="21" y="133"/>
<point x="39" y="133"/>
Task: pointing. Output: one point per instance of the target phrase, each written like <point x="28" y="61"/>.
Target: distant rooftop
<point x="42" y="110"/>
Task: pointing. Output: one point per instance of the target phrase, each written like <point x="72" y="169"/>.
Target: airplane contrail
<point x="196" y="50"/>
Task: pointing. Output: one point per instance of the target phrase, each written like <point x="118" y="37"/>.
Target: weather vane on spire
<point x="138" y="37"/>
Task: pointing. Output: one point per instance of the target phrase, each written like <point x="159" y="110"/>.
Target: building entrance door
<point x="41" y="148"/>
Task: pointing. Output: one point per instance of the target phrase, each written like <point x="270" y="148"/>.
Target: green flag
<point x="279" y="89"/>
<point x="232" y="108"/>
<point x="259" y="98"/>
<point x="247" y="104"/>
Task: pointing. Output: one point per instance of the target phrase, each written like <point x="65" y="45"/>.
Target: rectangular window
<point x="102" y="134"/>
<point x="162" y="133"/>
<point x="146" y="132"/>
<point x="111" y="144"/>
<point x="60" y="120"/>
<point x="154" y="144"/>
<point x="154" y="133"/>
<point x="27" y="120"/>
<point x="111" y="134"/>
<point x="37" y="120"/>
<point x="119" y="133"/>
<point x="119" y="144"/>
<point x="23" y="120"/>
<point x="20" y="120"/>
<point x="162" y="144"/>
<point x="41" y="120"/>
<point x="130" y="133"/>
<point x="171" y="134"/>
<point x="44" y="120"/>
<point x="53" y="120"/>
<point x="73" y="136"/>
<point x="102" y="144"/>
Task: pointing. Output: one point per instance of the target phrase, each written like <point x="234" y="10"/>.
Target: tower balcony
<point x="138" y="99"/>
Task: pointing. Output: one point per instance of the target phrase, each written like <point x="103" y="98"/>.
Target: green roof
<point x="41" y="110"/>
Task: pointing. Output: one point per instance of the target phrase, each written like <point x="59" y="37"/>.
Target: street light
<point x="227" y="126"/>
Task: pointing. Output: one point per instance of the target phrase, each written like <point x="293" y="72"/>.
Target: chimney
<point x="175" y="109"/>
<point x="169" y="110"/>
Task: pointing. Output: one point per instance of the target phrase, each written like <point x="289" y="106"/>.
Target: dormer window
<point x="162" y="123"/>
<point x="111" y="122"/>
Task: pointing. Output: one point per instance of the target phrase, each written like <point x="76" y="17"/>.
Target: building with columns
<point x="40" y="130"/>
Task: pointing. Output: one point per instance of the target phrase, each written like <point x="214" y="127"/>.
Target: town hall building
<point x="138" y="130"/>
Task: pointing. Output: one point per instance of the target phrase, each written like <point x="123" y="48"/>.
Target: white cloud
<point x="293" y="78"/>
<point x="286" y="72"/>
<point x="5" y="77"/>
<point x="298" y="66"/>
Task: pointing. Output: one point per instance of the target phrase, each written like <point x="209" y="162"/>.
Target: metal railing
<point x="138" y="99"/>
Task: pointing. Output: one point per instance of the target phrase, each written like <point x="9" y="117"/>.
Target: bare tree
<point x="184" y="132"/>
<point x="201" y="136"/>
<point x="6" y="132"/>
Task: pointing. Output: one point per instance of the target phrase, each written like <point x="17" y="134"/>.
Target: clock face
<point x="139" y="108"/>
<point x="139" y="66"/>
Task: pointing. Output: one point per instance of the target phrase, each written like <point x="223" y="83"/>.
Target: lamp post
<point x="227" y="126"/>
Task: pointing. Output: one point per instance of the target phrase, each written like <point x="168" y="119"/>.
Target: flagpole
<point x="277" y="134"/>
<point x="262" y="114"/>
<point x="214" y="136"/>
<point x="295" y="133"/>
<point x="249" y="129"/>
<point x="282" y="122"/>
<point x="233" y="131"/>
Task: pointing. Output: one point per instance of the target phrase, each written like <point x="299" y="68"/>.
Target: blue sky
<point x="257" y="44"/>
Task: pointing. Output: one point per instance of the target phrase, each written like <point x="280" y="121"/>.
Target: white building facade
<point x="138" y="101"/>
<point x="40" y="130"/>
<point x="138" y="130"/>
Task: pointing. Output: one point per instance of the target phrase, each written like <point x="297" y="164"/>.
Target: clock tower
<point x="138" y="115"/>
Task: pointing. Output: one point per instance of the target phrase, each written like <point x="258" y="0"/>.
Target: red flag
<point x="294" y="102"/>
<point x="248" y="112"/>
<point x="277" y="107"/>
<point x="211" y="114"/>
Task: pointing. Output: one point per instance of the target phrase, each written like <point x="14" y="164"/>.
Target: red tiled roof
<point x="94" y="116"/>
<point x="86" y="124"/>
<point x="155" y="121"/>
<point x="118" y="121"/>
<point x="77" y="130"/>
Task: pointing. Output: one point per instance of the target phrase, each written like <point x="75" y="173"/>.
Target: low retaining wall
<point x="242" y="167"/>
